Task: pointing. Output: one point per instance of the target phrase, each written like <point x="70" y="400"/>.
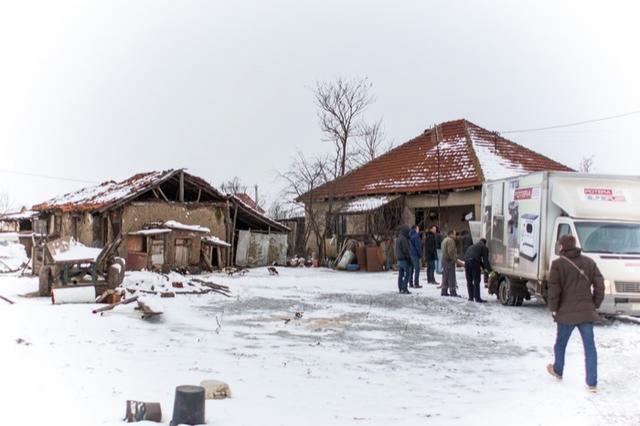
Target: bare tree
<point x="233" y="186"/>
<point x="340" y="104"/>
<point x="586" y="164"/>
<point x="370" y="143"/>
<point x="305" y="175"/>
<point x="5" y="202"/>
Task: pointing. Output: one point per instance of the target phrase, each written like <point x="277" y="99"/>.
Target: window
<point x="602" y="237"/>
<point x="563" y="229"/>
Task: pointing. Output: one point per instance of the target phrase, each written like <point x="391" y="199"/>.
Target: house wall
<point x="137" y="214"/>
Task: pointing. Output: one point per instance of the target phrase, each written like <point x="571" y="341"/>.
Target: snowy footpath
<point x="357" y="353"/>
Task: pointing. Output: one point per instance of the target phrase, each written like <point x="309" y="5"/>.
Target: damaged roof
<point x="252" y="216"/>
<point x="452" y="155"/>
<point x="106" y="194"/>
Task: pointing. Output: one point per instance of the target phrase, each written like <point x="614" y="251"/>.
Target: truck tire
<point x="44" y="281"/>
<point x="504" y="293"/>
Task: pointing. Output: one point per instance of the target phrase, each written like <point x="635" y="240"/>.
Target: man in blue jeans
<point x="404" y="259"/>
<point x="576" y="290"/>
<point x="415" y="251"/>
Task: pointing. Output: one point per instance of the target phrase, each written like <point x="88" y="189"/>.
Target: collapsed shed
<point x="101" y="214"/>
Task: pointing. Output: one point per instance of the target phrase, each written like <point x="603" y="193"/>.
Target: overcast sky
<point x="102" y="90"/>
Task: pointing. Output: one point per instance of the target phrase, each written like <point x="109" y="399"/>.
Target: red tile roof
<point x="98" y="197"/>
<point x="246" y="198"/>
<point x="464" y="156"/>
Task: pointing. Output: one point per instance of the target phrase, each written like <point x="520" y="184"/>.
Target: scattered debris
<point x="230" y="270"/>
<point x="177" y="285"/>
<point x="138" y="411"/>
<point x="272" y="270"/>
<point x="215" y="389"/>
<point x="9" y="301"/>
<point x="21" y="341"/>
<point x="113" y="305"/>
<point x="147" y="311"/>
<point x="167" y="294"/>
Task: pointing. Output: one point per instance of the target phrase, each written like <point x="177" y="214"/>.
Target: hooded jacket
<point x="478" y="252"/>
<point x="573" y="296"/>
<point x="402" y="244"/>
<point x="415" y="244"/>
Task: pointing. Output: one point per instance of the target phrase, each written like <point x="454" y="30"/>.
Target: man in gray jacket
<point x="576" y="290"/>
<point x="404" y="259"/>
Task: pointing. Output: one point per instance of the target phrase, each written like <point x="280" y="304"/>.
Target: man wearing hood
<point x="576" y="290"/>
<point x="404" y="259"/>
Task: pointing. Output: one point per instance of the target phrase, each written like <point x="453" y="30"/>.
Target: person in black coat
<point x="431" y="253"/>
<point x="404" y="259"/>
<point x="475" y="259"/>
<point x="467" y="241"/>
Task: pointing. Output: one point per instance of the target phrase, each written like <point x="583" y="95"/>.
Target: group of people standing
<point x="411" y="248"/>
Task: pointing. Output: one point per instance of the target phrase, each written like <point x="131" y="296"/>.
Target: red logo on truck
<point x="604" y="194"/>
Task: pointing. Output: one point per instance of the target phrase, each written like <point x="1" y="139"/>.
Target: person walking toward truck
<point x="576" y="290"/>
<point x="476" y="258"/>
<point x="449" y="259"/>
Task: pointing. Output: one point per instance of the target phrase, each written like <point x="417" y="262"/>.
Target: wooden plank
<point x="181" y="188"/>
<point x="163" y="195"/>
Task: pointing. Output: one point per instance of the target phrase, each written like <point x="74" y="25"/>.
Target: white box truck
<point x="523" y="218"/>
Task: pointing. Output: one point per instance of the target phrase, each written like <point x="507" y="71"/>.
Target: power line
<point x="576" y="123"/>
<point x="46" y="176"/>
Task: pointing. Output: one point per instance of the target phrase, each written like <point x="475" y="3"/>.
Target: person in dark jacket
<point x="431" y="253"/>
<point x="415" y="251"/>
<point x="476" y="258"/>
<point x="467" y="241"/>
<point x="404" y="259"/>
<point x="576" y="290"/>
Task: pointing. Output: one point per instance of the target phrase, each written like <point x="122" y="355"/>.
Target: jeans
<point x="404" y="270"/>
<point x="439" y="262"/>
<point x="590" y="354"/>
<point x="431" y="269"/>
<point x="414" y="275"/>
<point x="474" y="276"/>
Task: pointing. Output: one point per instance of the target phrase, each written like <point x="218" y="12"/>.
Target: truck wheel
<point x="44" y="281"/>
<point x="504" y="294"/>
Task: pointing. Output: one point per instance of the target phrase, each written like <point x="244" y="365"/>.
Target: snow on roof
<point x="63" y="251"/>
<point x="172" y="224"/>
<point x="212" y="239"/>
<point x="152" y="231"/>
<point x="452" y="155"/>
<point x="27" y="214"/>
<point x="98" y="196"/>
<point x="366" y="204"/>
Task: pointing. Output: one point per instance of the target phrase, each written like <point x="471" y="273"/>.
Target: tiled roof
<point x="464" y="156"/>
<point x="98" y="197"/>
<point x="246" y="198"/>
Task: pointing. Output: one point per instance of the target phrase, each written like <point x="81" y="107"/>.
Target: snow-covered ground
<point x="360" y="354"/>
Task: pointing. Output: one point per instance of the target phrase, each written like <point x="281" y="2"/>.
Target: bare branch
<point x="586" y="164"/>
<point x="340" y="103"/>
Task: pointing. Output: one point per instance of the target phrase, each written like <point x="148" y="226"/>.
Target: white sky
<point x="102" y="90"/>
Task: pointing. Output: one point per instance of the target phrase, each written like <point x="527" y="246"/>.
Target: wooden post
<point x="233" y="236"/>
<point x="181" y="189"/>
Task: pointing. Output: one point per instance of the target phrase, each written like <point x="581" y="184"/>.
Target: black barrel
<point x="188" y="407"/>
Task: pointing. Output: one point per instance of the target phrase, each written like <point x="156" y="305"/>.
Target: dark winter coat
<point x="467" y="242"/>
<point x="478" y="252"/>
<point x="402" y="244"/>
<point x="573" y="296"/>
<point x="431" y="247"/>
<point x="415" y="244"/>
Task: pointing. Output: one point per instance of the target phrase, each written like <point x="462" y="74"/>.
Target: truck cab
<point x="615" y="247"/>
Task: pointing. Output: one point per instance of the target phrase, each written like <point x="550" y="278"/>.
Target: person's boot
<point x="417" y="285"/>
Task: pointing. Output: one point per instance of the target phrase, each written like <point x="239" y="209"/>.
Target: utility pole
<point x="435" y="127"/>
<point x="256" y="192"/>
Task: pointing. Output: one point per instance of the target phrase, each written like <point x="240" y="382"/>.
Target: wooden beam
<point x="199" y="194"/>
<point x="181" y="188"/>
<point x="163" y="195"/>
